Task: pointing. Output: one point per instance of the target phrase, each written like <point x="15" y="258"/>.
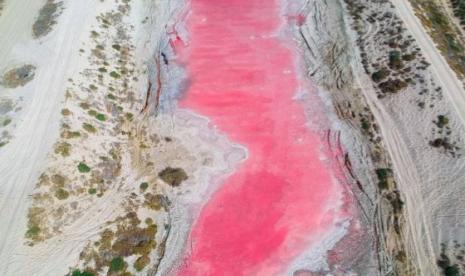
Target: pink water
<point x="243" y="77"/>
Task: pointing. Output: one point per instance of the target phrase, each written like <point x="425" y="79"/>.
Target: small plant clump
<point x="442" y="121"/>
<point x="65" y="112"/>
<point x="89" y="128"/>
<point x="380" y="75"/>
<point x="115" y="75"/>
<point x="173" y="176"/>
<point x="83" y="168"/>
<point x="392" y="86"/>
<point x="143" y="186"/>
<point x="117" y="264"/>
<point x="61" y="194"/>
<point x="63" y="148"/>
<point x="383" y="175"/>
<point x="100" y="117"/>
<point x="78" y="272"/>
<point x="47" y="18"/>
<point x="19" y="76"/>
<point x="141" y="263"/>
<point x="33" y="231"/>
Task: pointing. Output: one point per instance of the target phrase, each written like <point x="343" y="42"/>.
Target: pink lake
<point x="277" y="203"/>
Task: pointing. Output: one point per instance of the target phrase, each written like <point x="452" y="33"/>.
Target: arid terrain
<point x="232" y="137"/>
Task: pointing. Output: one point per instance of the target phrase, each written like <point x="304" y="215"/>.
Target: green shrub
<point x="442" y="121"/>
<point x="380" y="75"/>
<point x="77" y="272"/>
<point x="383" y="175"/>
<point x="33" y="231"/>
<point x="100" y="117"/>
<point x="114" y="75"/>
<point x="452" y="271"/>
<point x="117" y="264"/>
<point x="92" y="191"/>
<point x="395" y="60"/>
<point x="144" y="185"/>
<point x="83" y="168"/>
<point x="365" y="124"/>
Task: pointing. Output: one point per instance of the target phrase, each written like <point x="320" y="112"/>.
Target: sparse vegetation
<point x="104" y="93"/>
<point x="128" y="240"/>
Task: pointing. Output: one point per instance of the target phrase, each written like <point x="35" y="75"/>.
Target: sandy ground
<point x="56" y="58"/>
<point x="22" y="158"/>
